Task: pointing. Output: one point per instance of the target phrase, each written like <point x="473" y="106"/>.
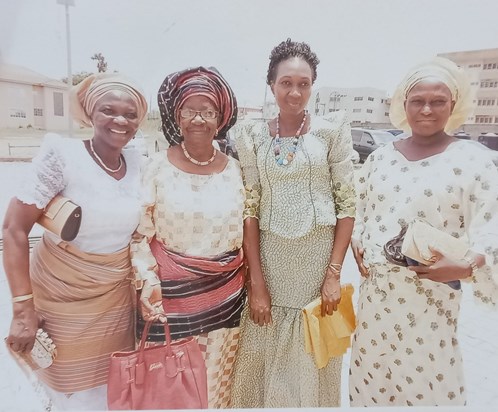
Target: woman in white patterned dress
<point x="82" y="288"/>
<point x="405" y="350"/>
<point x="298" y="222"/>
<point x="187" y="249"/>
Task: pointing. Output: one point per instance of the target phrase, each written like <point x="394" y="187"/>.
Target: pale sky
<point x="359" y="42"/>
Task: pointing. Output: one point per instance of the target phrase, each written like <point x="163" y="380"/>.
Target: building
<point x="482" y="69"/>
<point x="364" y="105"/>
<point x="30" y="99"/>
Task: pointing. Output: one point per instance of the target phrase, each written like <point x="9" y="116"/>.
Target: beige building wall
<point x="363" y="105"/>
<point x="482" y="69"/>
<point x="29" y="99"/>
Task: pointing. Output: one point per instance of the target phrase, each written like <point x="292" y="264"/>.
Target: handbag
<point x="420" y="236"/>
<point x="62" y="217"/>
<point x="169" y="376"/>
<point x="41" y="356"/>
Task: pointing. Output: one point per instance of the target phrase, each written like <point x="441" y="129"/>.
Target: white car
<point x="138" y="143"/>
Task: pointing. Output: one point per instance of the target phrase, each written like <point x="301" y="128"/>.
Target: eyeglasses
<point x="205" y="114"/>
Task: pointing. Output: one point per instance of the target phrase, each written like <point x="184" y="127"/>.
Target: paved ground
<point x="478" y="337"/>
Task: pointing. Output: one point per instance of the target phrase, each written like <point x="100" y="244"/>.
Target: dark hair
<point x="285" y="51"/>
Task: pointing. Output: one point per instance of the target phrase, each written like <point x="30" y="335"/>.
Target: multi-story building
<point x="364" y="105"/>
<point x="482" y="69"/>
<point x="29" y="99"/>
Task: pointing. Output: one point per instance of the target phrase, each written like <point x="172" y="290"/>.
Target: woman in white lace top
<point x="81" y="289"/>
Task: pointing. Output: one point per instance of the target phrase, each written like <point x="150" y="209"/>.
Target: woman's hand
<point x="444" y="269"/>
<point x="331" y="292"/>
<point x="25" y="323"/>
<point x="358" y="252"/>
<point x="151" y="303"/>
<point x="259" y="303"/>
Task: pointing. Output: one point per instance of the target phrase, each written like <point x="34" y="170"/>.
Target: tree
<point x="77" y="77"/>
<point x="101" y="63"/>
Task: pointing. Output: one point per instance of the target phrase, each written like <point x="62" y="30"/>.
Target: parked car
<point x="462" y="135"/>
<point x="139" y="143"/>
<point x="365" y="141"/>
<point x="489" y="140"/>
<point x="394" y="132"/>
<point x="227" y="146"/>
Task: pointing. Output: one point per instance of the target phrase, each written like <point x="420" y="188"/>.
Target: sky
<point x="360" y="43"/>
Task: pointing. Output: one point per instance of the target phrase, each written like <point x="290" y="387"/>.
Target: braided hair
<point x="286" y="50"/>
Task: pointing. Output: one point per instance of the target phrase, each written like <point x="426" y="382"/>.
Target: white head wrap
<point x="442" y="70"/>
<point x="84" y="96"/>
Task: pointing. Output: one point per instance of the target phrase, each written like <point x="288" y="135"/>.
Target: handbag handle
<point x="145" y="333"/>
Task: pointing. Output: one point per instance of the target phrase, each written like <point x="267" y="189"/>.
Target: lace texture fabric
<point x="315" y="189"/>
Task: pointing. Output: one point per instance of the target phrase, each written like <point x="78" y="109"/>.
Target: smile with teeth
<point x="118" y="131"/>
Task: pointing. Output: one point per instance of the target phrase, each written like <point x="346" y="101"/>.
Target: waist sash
<point x="199" y="294"/>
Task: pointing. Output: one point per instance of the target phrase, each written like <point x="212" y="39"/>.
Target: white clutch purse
<point x="41" y="356"/>
<point x="421" y="235"/>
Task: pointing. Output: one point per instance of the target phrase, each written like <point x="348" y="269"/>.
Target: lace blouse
<point x="110" y="207"/>
<point x="316" y="188"/>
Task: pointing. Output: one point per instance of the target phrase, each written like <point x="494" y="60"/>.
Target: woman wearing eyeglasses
<point x="187" y="249"/>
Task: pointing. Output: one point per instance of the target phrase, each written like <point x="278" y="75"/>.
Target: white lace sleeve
<point x="45" y="178"/>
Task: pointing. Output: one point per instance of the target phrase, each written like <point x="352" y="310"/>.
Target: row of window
<point x="58" y="108"/>
<point x="486" y="119"/>
<point x="490" y="66"/>
<point x="474" y="65"/>
<point x="489" y="83"/>
<point x="370" y="99"/>
<point x="486" y="102"/>
<point x="359" y="111"/>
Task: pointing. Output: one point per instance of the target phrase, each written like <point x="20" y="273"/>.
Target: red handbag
<point x="169" y="376"/>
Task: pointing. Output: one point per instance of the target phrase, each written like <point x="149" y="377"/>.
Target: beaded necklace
<point x="194" y="161"/>
<point x="101" y="162"/>
<point x="279" y="157"/>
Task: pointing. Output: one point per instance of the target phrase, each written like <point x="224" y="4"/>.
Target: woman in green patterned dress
<point x="297" y="227"/>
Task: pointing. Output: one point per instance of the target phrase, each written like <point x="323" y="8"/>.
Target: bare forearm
<point x="16" y="261"/>
<point x="342" y="238"/>
<point x="252" y="251"/>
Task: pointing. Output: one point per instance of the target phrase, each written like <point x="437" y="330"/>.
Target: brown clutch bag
<point x="62" y="217"/>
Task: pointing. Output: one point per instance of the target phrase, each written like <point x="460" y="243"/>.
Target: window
<point x="356" y="110"/>
<point x="358" y="99"/>
<point x="486" y="102"/>
<point x="370" y="99"/>
<point x="386" y="114"/>
<point x="489" y="66"/>
<point x="489" y="83"/>
<point x="38" y="112"/>
<point x="58" y="104"/>
<point x="484" y="119"/>
<point x="369" y="111"/>
<point x="18" y="113"/>
<point x="356" y="135"/>
<point x="474" y="83"/>
<point x="474" y="65"/>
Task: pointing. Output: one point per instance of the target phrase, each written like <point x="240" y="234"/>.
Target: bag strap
<point x="145" y="333"/>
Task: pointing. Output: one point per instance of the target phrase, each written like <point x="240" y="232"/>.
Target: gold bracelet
<point x="335" y="272"/>
<point x="335" y="266"/>
<point x="22" y="298"/>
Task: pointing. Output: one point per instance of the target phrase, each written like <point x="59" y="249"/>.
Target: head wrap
<point x="84" y="96"/>
<point x="199" y="81"/>
<point x="438" y="69"/>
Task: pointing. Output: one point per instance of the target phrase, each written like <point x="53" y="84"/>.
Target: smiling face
<point x="428" y="107"/>
<point x="115" y="119"/>
<point x="292" y="85"/>
<point x="198" y="128"/>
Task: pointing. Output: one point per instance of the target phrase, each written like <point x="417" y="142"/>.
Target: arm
<point x="143" y="262"/>
<point x="44" y="180"/>
<point x="359" y="224"/>
<point x="259" y="297"/>
<point x="342" y="183"/>
<point x="18" y="221"/>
